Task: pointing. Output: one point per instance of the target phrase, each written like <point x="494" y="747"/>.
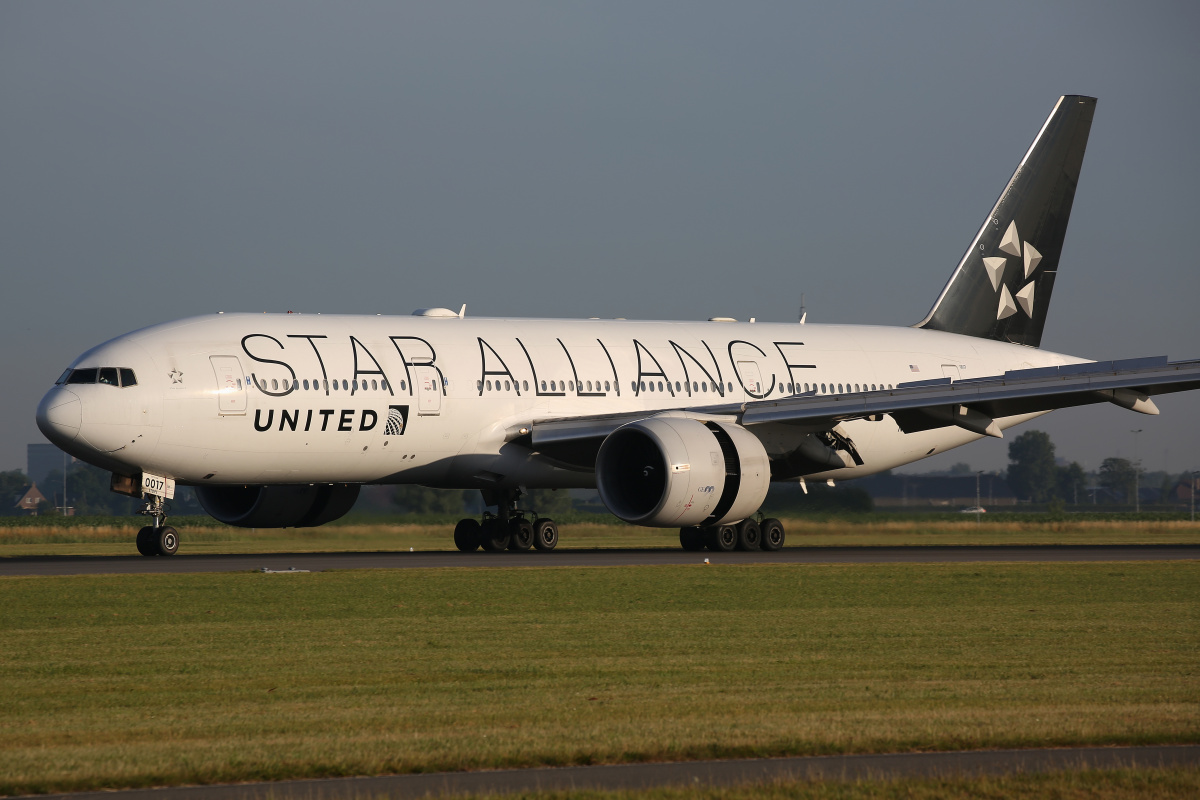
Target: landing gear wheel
<point x="145" y="541"/>
<point x="545" y="534"/>
<point x="520" y="532"/>
<point x="691" y="539"/>
<point x="494" y="536"/>
<point x="772" y="534"/>
<point x="166" y="540"/>
<point x="748" y="535"/>
<point x="467" y="535"/>
<point x="721" y="538"/>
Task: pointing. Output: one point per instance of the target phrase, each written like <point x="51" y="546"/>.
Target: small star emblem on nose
<point x="176" y="376"/>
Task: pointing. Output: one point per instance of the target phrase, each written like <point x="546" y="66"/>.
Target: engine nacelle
<point x="667" y="472"/>
<point x="301" y="506"/>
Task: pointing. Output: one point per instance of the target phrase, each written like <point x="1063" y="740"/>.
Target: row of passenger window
<point x="110" y="376"/>
<point x="651" y="386"/>
<point x="334" y="385"/>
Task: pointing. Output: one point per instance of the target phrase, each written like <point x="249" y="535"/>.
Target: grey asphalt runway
<point x="690" y="773"/>
<point x="315" y="562"/>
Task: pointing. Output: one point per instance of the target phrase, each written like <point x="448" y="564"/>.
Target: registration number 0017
<point x="155" y="485"/>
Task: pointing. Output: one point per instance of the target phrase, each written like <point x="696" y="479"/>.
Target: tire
<point x="749" y="535"/>
<point x="145" y="542"/>
<point x="720" y="538"/>
<point x="166" y="540"/>
<point x="545" y="534"/>
<point x="520" y="534"/>
<point x="691" y="539"/>
<point x="772" y="535"/>
<point x="494" y="536"/>
<point x="467" y="535"/>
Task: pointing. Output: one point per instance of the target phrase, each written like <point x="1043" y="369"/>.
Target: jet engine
<point x="302" y="506"/>
<point x="668" y="472"/>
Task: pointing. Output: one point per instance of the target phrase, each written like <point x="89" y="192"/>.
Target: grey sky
<point x="686" y="160"/>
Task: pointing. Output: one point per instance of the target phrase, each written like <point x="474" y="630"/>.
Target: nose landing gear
<point x="157" y="539"/>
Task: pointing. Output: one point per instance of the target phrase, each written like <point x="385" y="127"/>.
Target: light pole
<point x="978" y="508"/>
<point x="1137" y="475"/>
<point x="1192" y="491"/>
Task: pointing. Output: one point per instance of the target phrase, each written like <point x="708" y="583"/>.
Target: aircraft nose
<point x="59" y="416"/>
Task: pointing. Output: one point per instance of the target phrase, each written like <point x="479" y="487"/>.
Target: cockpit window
<point x="63" y="379"/>
<point x="127" y="377"/>
<point x="108" y="375"/>
<point x="83" y="376"/>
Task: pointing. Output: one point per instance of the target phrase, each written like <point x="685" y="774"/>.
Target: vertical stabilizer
<point x="1001" y="288"/>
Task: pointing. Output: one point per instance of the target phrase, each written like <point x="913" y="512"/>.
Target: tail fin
<point x="1001" y="288"/>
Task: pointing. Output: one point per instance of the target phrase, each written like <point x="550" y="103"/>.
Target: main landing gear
<point x="510" y="528"/>
<point x="745" y="535"/>
<point x="157" y="539"/>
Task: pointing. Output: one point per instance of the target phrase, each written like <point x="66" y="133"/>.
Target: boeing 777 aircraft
<point x="277" y="420"/>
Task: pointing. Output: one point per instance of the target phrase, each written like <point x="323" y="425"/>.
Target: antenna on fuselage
<point x="803" y="311"/>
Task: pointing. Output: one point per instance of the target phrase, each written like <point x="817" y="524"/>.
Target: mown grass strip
<point x="115" y="537"/>
<point x="157" y="680"/>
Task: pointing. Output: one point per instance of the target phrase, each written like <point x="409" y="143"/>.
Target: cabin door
<point x="429" y="390"/>
<point x="231" y="385"/>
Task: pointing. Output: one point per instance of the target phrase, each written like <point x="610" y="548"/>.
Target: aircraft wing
<point x="973" y="404"/>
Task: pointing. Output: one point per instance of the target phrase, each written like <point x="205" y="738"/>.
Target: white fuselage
<point x="280" y="398"/>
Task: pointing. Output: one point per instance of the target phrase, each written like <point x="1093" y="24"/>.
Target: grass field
<point x="114" y="536"/>
<point x="147" y="680"/>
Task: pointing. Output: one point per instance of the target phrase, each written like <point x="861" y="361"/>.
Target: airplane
<point x="277" y="420"/>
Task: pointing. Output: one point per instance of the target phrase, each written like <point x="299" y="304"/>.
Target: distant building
<point x="30" y="501"/>
<point x="42" y="459"/>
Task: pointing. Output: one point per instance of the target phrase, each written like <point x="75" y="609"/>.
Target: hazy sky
<point x="659" y="160"/>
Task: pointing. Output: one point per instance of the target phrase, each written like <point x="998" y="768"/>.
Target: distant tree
<point x="423" y="500"/>
<point x="548" y="502"/>
<point x="13" y="485"/>
<point x="961" y="468"/>
<point x="1072" y="483"/>
<point x="1119" y="476"/>
<point x="1032" y="473"/>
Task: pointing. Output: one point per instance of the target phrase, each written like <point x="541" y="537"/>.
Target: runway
<point x="690" y="773"/>
<point x="318" y="562"/>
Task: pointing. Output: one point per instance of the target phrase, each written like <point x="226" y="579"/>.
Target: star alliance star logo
<point x="995" y="267"/>
<point x="176" y="376"/>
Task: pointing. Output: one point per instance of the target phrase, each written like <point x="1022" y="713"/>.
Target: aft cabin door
<point x="231" y="385"/>
<point x="429" y="390"/>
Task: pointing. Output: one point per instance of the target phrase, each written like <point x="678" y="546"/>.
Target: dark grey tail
<point x="1001" y="288"/>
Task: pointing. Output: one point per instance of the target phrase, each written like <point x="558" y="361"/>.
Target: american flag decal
<point x="397" y="421"/>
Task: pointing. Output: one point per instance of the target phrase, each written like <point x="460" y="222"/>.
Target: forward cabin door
<point x="429" y="390"/>
<point x="231" y="385"/>
<point x="950" y="371"/>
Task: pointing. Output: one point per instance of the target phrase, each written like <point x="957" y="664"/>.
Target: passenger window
<point x="731" y="386"/>
<point x="335" y="386"/>
<point x="488" y="384"/>
<point x="374" y="384"/>
<point x="543" y="386"/>
<point x="306" y="384"/>
<point x="383" y="385"/>
<point x="404" y="386"/>
<point x="525" y="385"/>
<point x="129" y="379"/>
<point x="345" y="386"/>
<point x="83" y="376"/>
<point x="507" y="386"/>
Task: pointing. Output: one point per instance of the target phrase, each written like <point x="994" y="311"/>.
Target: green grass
<point x="114" y="535"/>
<point x="116" y="681"/>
